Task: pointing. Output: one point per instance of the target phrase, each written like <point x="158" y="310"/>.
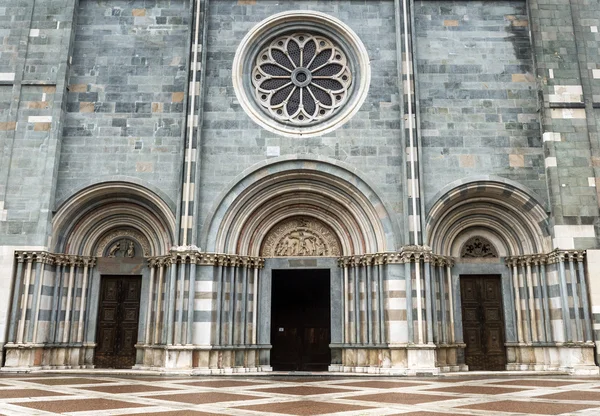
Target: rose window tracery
<point x="301" y="78"/>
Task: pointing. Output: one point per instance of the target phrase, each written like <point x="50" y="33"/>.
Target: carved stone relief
<point x="122" y="243"/>
<point x="478" y="247"/>
<point x="121" y="248"/>
<point x="300" y="236"/>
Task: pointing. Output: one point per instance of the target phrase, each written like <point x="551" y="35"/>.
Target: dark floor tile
<point x="401" y="398"/>
<point x="302" y="390"/>
<point x="204" y="398"/>
<point x="221" y="383"/>
<point x="375" y="384"/>
<point x="536" y="383"/>
<point x="69" y="381"/>
<point x="128" y="388"/>
<point x="85" y="405"/>
<point x="535" y="408"/>
<point x="578" y="395"/>
<point x="303" y="408"/>
<point x="478" y="389"/>
<point x="24" y="393"/>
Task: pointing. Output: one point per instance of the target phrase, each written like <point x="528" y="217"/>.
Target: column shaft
<point x="191" y="306"/>
<point x="24" y="300"/>
<point x="566" y="314"/>
<point x="15" y="301"/>
<point x="428" y="302"/>
<point x="453" y="335"/>
<point x="37" y="298"/>
<point x="578" y="328"/>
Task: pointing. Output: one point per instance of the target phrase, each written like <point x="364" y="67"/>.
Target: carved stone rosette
<point x="300" y="236"/>
<point x="478" y="247"/>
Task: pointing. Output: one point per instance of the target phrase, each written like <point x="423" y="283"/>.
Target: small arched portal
<point x="117" y="226"/>
<point x="300" y="216"/>
<point x="479" y="224"/>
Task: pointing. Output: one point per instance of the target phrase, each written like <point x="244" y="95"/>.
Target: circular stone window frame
<point x="314" y="23"/>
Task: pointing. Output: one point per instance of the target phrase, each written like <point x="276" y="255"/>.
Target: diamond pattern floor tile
<point x="401" y="398"/>
<point x="24" y="393"/>
<point x="257" y="395"/>
<point x="204" y="398"/>
<point x="534" y="408"/>
<point x="302" y="390"/>
<point x="304" y="408"/>
<point x="87" y="405"/>
<point x="477" y="390"/>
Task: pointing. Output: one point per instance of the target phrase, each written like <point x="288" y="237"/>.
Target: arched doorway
<point x="301" y="217"/>
<point x="480" y="224"/>
<point x="119" y="225"/>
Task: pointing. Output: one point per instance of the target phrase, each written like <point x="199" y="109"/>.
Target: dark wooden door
<point x="483" y="322"/>
<point x="118" y="317"/>
<point x="300" y="324"/>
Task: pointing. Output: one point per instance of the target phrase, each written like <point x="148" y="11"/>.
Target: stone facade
<point x="459" y="140"/>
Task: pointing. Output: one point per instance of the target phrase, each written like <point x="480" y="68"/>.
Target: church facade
<point x="229" y="186"/>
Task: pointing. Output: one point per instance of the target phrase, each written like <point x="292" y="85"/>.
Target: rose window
<point x="301" y="78"/>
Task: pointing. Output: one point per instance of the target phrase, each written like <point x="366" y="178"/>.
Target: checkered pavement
<point x="496" y="395"/>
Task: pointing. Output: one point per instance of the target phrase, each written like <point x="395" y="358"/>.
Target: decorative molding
<point x="205" y="259"/>
<point x="489" y="203"/>
<point x="54" y="259"/>
<point x="300" y="236"/>
<point x="407" y="254"/>
<point x="555" y="256"/>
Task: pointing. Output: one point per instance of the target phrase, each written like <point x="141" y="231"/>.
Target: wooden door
<point x="300" y="324"/>
<point x="483" y="322"/>
<point x="118" y="318"/>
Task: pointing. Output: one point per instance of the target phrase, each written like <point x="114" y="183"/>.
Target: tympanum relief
<point x="300" y="237"/>
<point x="121" y="248"/>
<point x="123" y="243"/>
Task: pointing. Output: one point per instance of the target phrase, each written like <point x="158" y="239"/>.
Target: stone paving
<point x="496" y="394"/>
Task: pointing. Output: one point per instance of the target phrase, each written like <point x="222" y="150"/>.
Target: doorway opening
<point x="483" y="322"/>
<point x="300" y="320"/>
<point x="118" y="320"/>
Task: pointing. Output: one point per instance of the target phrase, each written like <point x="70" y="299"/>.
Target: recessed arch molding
<point x="285" y="189"/>
<point x="496" y="210"/>
<point x="95" y="213"/>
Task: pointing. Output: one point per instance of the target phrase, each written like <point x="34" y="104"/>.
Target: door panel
<point x="483" y="322"/>
<point x="119" y="311"/>
<point x="300" y="324"/>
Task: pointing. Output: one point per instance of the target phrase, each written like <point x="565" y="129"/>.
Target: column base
<point x="450" y="358"/>
<point x="203" y="359"/>
<point x="48" y="357"/>
<point x="389" y="359"/>
<point x="574" y="358"/>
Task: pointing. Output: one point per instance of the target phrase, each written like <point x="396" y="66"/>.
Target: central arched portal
<point x="301" y="295"/>
<point x="300" y="217"/>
